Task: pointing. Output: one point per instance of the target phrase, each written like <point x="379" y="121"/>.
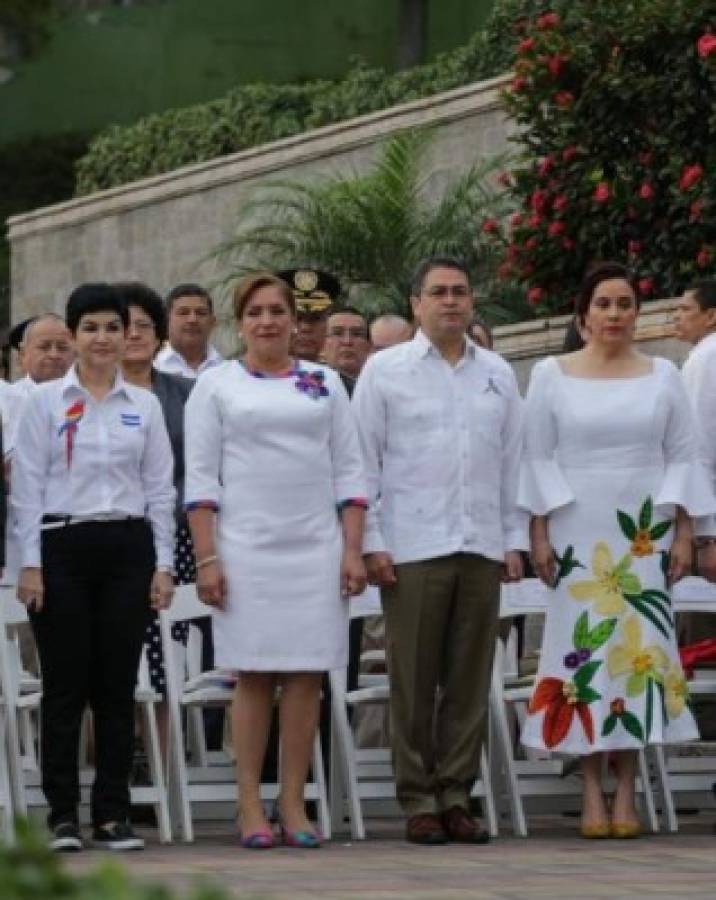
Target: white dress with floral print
<point x="607" y="461"/>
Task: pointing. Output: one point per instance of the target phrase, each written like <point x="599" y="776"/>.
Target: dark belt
<point x="64" y="521"/>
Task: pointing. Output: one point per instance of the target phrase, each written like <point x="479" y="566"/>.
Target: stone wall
<point x="162" y="230"/>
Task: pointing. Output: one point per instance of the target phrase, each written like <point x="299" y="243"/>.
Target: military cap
<point x="16" y="335"/>
<point x="315" y="291"/>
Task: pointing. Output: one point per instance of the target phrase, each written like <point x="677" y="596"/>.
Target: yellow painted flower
<point x="609" y="584"/>
<point x="676" y="691"/>
<point x="639" y="663"/>
<point x="642" y="545"/>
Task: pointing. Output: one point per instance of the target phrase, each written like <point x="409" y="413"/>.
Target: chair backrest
<point x="186" y="605"/>
<point x="12" y="612"/>
<point x="525" y="597"/>
<point x="366" y="604"/>
<point x="694" y="595"/>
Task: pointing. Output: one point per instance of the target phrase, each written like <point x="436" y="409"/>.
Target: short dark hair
<point x="704" y="293"/>
<point x="603" y="271"/>
<point x="435" y="262"/>
<point x="346" y="308"/>
<point x="573" y="340"/>
<point x="248" y="286"/>
<point x="134" y="293"/>
<point x="91" y="298"/>
<point x="187" y="290"/>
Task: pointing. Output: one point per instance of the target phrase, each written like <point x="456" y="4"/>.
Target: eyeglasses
<point x="458" y="291"/>
<point x="142" y="326"/>
<point x="357" y="333"/>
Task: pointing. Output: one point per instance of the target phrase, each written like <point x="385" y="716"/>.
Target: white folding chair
<point x="209" y="779"/>
<point x="542" y="776"/>
<point x="367" y="773"/>
<point x="689" y="774"/>
<point x="10" y="754"/>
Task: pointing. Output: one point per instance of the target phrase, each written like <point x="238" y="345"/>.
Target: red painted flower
<point x="556" y="228"/>
<point x="563" y="99"/>
<point x="547" y="20"/>
<point x="646" y="191"/>
<point x="560" y="203"/>
<point x="696" y="210"/>
<point x="601" y="192"/>
<point x="535" y="295"/>
<point x="690" y="176"/>
<point x="570" y="152"/>
<point x="645" y="286"/>
<point x="703" y="257"/>
<point x="489" y="226"/>
<point x="525" y="45"/>
<point x="706" y="45"/>
<point x="616" y="707"/>
<point x="559" y="701"/>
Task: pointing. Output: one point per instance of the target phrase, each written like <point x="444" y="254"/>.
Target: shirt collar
<point x="212" y="355"/>
<point x="707" y="341"/>
<point x="423" y="346"/>
<point x="72" y="385"/>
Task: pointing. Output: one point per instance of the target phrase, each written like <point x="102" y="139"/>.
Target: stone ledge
<point x="326" y="141"/>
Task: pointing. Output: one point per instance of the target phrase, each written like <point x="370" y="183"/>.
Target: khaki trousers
<point x="441" y="624"/>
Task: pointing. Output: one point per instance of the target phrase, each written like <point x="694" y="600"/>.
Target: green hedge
<point x="258" y="113"/>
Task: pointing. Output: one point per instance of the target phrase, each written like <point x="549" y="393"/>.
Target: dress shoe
<point x="425" y="828"/>
<point x="625" y="830"/>
<point x="460" y="827"/>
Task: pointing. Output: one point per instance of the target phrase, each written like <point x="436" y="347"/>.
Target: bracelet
<point x="206" y="561"/>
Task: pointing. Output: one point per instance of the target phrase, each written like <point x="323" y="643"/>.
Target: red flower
<point x="568" y="244"/>
<point x="547" y="20"/>
<point x="601" y="192"/>
<point x="690" y="176"/>
<point x="534" y="221"/>
<point x="646" y="191"/>
<point x="570" y="152"/>
<point x="555" y="228"/>
<point x="505" y="179"/>
<point x="554" y="64"/>
<point x="560" y="203"/>
<point x="538" y="200"/>
<point x="531" y="243"/>
<point x="489" y="226"/>
<point x="696" y="211"/>
<point x="513" y="251"/>
<point x="634" y="248"/>
<point x="545" y="165"/>
<point x="518" y="84"/>
<point x="563" y="99"/>
<point x="616" y="707"/>
<point x="645" y="286"/>
<point x="558" y="700"/>
<point x="515" y="220"/>
<point x="703" y="257"/>
<point x="535" y="295"/>
<point x="706" y="45"/>
<point x="645" y="158"/>
<point x="525" y="45"/>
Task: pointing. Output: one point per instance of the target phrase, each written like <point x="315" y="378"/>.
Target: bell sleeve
<point x="542" y="487"/>
<point x="687" y="481"/>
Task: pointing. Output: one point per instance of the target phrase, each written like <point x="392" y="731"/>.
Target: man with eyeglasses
<point x="190" y="321"/>
<point x="440" y="421"/>
<point x="347" y="345"/>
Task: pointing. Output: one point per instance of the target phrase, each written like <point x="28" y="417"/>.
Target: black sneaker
<point x="116" y="836"/>
<point x="66" y="838"/>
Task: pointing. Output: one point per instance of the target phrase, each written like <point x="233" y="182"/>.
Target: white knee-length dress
<point x="607" y="461"/>
<point x="278" y="456"/>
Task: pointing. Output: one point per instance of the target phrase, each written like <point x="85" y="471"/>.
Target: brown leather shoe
<point x="460" y="827"/>
<point x="425" y="828"/>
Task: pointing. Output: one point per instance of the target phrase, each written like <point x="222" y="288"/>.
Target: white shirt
<point x="699" y="375"/>
<point x="121" y="462"/>
<point x="441" y="448"/>
<point x="171" y="361"/>
<point x="14" y="399"/>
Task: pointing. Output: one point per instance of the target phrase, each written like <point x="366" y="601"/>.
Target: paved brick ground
<point x="552" y="863"/>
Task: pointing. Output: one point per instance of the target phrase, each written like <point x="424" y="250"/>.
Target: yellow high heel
<point x="598" y="831"/>
<point x="625" y="830"/>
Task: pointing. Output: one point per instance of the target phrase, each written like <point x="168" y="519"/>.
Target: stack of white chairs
<point x="366" y="774"/>
<point x="545" y="778"/>
<point x="682" y="774"/>
<point x="208" y="777"/>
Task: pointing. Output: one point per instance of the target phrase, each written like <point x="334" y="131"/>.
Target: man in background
<point x="389" y="330"/>
<point x="347" y="346"/>
<point x="315" y="292"/>
<point x="190" y="321"/>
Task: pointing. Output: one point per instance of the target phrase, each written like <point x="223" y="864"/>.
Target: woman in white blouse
<point x="274" y="493"/>
<point x="94" y="502"/>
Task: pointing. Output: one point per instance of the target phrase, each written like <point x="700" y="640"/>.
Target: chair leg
<point x="489" y="797"/>
<point x="504" y="747"/>
<point x="8" y="825"/>
<point x="335" y="784"/>
<point x="15" y="767"/>
<point x="156" y="770"/>
<point x="346" y="753"/>
<point x="671" y="820"/>
<point x="319" y="778"/>
<point x="647" y="793"/>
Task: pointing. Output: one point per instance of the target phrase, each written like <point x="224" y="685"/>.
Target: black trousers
<point x="89" y="635"/>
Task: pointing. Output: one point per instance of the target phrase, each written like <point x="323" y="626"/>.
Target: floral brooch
<point x="311" y="384"/>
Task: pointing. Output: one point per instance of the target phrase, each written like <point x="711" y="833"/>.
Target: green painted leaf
<point x="645" y="513"/>
<point x="627" y="525"/>
<point x="600" y="634"/>
<point x="624" y="564"/>
<point x="648" y="613"/>
<point x="635" y="684"/>
<point x="649" y="706"/>
<point x="588" y="695"/>
<point x="566" y="564"/>
<point x="585" y="673"/>
<point x="580" y="635"/>
<point x="659" y="530"/>
<point x="662" y="697"/>
<point x="632" y="725"/>
<point x="664" y="563"/>
<point x="629" y="583"/>
<point x="658" y="606"/>
<point x="610" y="723"/>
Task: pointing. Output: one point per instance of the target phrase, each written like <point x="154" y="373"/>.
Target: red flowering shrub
<point x="616" y="104"/>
